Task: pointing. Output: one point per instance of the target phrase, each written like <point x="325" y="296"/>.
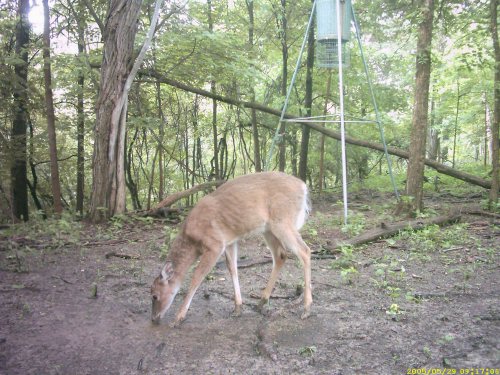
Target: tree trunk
<point x="306" y="130"/>
<point x="282" y="25"/>
<point x="455" y="128"/>
<point x="51" y="118"/>
<point x="322" y="139"/>
<point x="415" y="173"/>
<point x="119" y="37"/>
<point x="255" y="130"/>
<point x="20" y="122"/>
<point x="495" y="131"/>
<point x="215" y="132"/>
<point x="80" y="159"/>
<point x="487" y="130"/>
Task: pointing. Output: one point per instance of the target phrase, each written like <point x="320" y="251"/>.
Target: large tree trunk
<point x="306" y="130"/>
<point x="119" y="37"/>
<point x="20" y="123"/>
<point x="51" y="118"/>
<point x="495" y="132"/>
<point x="415" y="174"/>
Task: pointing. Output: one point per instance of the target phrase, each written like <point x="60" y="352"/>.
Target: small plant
<point x="346" y="260"/>
<point x="355" y="224"/>
<point x="394" y="310"/>
<point x="307" y="351"/>
<point x="427" y="351"/>
<point x="446" y="339"/>
<point x="347" y="274"/>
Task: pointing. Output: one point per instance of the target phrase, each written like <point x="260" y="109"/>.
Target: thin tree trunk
<point x="455" y="129"/>
<point x="282" y="22"/>
<point x="322" y="139"/>
<point x="51" y="118"/>
<point x="80" y="162"/>
<point x="255" y="130"/>
<point x="215" y="131"/>
<point x="487" y="130"/>
<point x="32" y="186"/>
<point x="495" y="131"/>
<point x="306" y="131"/>
<point x="20" y="122"/>
<point x="415" y="173"/>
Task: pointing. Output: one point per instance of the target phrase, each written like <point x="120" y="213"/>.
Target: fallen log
<point x="388" y="230"/>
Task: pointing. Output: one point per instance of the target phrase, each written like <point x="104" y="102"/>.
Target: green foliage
<point x="433" y="238"/>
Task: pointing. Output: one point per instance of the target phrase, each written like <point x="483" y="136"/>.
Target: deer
<point x="273" y="204"/>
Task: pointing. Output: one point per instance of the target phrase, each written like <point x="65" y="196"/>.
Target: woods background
<point x="94" y="122"/>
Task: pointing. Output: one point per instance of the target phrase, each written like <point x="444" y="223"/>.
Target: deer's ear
<point x="167" y="271"/>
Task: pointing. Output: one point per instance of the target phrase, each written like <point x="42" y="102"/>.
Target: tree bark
<point x="51" y="118"/>
<point x="415" y="173"/>
<point x="495" y="131"/>
<point x="20" y="123"/>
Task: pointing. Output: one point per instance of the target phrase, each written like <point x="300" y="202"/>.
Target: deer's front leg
<point x="207" y="262"/>
<point x="232" y="266"/>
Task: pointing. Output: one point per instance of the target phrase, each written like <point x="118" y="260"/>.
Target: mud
<point x="391" y="307"/>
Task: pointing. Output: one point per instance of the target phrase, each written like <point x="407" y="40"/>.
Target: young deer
<point x="271" y="203"/>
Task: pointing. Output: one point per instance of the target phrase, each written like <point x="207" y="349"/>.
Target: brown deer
<point x="272" y="203"/>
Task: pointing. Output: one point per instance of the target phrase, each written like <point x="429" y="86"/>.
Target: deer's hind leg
<point x="279" y="257"/>
<point x="291" y="240"/>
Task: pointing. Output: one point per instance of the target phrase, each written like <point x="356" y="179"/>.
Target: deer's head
<point x="163" y="291"/>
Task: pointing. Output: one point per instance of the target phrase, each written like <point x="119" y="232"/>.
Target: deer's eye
<point x="155" y="297"/>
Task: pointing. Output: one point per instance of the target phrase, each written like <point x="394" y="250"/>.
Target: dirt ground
<point x="397" y="306"/>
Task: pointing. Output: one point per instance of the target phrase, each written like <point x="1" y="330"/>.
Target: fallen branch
<point x="122" y="255"/>
<point x="388" y="230"/>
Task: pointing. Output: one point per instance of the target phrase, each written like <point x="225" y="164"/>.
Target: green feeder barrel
<point x="327" y="36"/>
<point x="326" y="19"/>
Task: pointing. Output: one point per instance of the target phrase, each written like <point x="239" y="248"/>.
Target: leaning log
<point x="441" y="168"/>
<point x="171" y="199"/>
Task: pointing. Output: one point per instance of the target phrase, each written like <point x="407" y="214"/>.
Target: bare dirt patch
<point x="429" y="300"/>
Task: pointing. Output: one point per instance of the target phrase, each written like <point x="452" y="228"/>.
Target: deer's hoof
<point x="237" y="311"/>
